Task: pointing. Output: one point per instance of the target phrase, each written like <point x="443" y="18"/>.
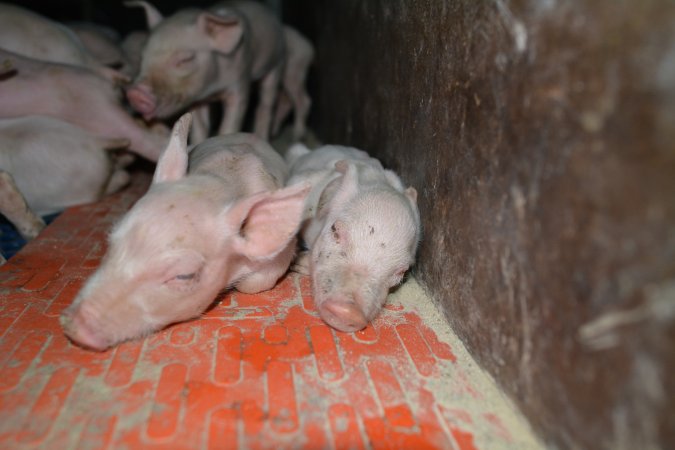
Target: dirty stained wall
<point x="540" y="136"/>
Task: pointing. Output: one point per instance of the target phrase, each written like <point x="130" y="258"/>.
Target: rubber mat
<point x="256" y="371"/>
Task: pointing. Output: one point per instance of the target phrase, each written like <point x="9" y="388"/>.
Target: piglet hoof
<point x="32" y="228"/>
<point x="343" y="315"/>
<point x="301" y="263"/>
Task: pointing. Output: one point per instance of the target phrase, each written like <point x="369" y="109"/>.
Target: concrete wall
<point x="540" y="136"/>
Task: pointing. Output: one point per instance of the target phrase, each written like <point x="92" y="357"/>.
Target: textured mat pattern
<point x="256" y="371"/>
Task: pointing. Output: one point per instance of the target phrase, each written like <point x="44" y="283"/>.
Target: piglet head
<point x="367" y="244"/>
<point x="178" y="65"/>
<point x="175" y="250"/>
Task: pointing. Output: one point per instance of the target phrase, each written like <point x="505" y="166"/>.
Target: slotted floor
<point x="257" y="371"/>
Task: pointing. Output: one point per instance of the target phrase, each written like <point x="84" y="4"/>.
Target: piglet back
<point x="240" y="154"/>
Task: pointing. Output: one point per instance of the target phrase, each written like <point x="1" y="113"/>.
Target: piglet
<point x="228" y="222"/>
<point x="29" y="34"/>
<point x="197" y="56"/>
<point x="76" y="95"/>
<point x="56" y="165"/>
<point x="362" y="229"/>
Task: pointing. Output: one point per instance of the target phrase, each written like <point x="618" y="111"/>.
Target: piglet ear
<point x="348" y="186"/>
<point x="411" y="193"/>
<point x="268" y="221"/>
<point x="223" y="31"/>
<point x="152" y="16"/>
<point x="173" y="161"/>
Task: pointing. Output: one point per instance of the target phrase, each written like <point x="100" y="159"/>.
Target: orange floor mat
<point x="256" y="371"/>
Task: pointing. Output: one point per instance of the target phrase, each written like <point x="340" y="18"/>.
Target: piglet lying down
<point x="362" y="228"/>
<point x="226" y="222"/>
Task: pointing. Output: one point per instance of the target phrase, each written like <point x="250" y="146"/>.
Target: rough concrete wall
<point x="540" y="135"/>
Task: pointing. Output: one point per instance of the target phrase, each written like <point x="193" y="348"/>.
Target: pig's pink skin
<point x="56" y="165"/>
<point x="102" y="43"/>
<point x="185" y="62"/>
<point x="76" y="95"/>
<point x="34" y="36"/>
<point x="362" y="231"/>
<point x="82" y="332"/>
<point x="227" y="223"/>
<point x="293" y="95"/>
<point x="141" y="99"/>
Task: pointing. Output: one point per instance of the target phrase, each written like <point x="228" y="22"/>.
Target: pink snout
<point x="343" y="314"/>
<point x="82" y="331"/>
<point x="142" y="100"/>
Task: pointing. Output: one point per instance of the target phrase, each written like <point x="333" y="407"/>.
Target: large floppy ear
<point x="152" y="16"/>
<point x="267" y="222"/>
<point x="173" y="161"/>
<point x="224" y="31"/>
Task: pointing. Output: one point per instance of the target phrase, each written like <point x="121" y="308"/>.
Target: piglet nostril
<point x="343" y="314"/>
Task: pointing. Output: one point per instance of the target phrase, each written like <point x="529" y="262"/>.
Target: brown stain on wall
<point x="540" y="136"/>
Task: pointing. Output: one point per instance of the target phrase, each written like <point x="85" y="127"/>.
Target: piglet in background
<point x="362" y="229"/>
<point x="228" y="222"/>
<point x="196" y="56"/>
<point x="75" y="95"/>
<point x="34" y="36"/>
<point x="47" y="165"/>
<point x="56" y="165"/>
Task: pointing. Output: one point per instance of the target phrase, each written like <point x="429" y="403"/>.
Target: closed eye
<point x="185" y="282"/>
<point x="186" y="59"/>
<point x="186" y="276"/>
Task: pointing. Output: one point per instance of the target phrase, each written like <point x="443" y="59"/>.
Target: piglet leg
<point x="301" y="263"/>
<point x="200" y="124"/>
<point x="283" y="109"/>
<point x="269" y="88"/>
<point x="14" y="207"/>
<point x="235" y="102"/>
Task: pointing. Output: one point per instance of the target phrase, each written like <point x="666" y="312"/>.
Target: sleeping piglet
<point x="362" y="229"/>
<point x="226" y="222"/>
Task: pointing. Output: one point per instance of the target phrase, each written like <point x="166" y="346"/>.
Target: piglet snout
<point x="142" y="100"/>
<point x="343" y="314"/>
<point x="82" y="331"/>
